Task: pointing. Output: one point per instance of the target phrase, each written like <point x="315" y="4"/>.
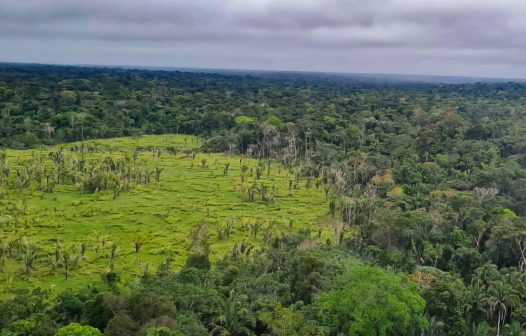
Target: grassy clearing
<point x="192" y="190"/>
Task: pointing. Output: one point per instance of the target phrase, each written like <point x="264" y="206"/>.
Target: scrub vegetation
<point x="130" y="204"/>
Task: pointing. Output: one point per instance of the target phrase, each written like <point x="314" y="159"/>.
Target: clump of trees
<point x="73" y="168"/>
<point x="239" y="296"/>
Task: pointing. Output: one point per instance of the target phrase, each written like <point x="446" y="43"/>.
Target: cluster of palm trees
<point x="258" y="171"/>
<point x="88" y="176"/>
<point x="62" y="257"/>
<point x="225" y="230"/>
<point x="66" y="257"/>
<point x="493" y="296"/>
<point x="266" y="194"/>
<point x="20" y="248"/>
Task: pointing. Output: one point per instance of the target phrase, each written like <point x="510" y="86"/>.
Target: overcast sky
<point x="443" y="37"/>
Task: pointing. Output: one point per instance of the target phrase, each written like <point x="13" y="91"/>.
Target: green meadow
<point x="193" y="191"/>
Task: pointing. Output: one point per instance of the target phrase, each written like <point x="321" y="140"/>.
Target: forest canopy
<point x="423" y="188"/>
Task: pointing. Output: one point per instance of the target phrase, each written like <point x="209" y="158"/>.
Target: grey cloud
<point x="464" y="37"/>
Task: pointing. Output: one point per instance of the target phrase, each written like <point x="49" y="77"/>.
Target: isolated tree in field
<point x="244" y="168"/>
<point x="67" y="259"/>
<point x="224" y="231"/>
<point x="164" y="266"/>
<point x="98" y="240"/>
<point x="254" y="227"/>
<point x="158" y="172"/>
<point x="138" y="242"/>
<point x="82" y="250"/>
<point x="112" y="255"/>
<point x="199" y="248"/>
<point x="28" y="258"/>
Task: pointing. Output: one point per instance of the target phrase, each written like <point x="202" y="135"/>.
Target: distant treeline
<point x="52" y="104"/>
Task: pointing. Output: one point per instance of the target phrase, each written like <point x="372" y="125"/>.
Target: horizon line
<point x="313" y="72"/>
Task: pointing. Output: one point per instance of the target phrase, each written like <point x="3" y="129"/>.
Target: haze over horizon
<point x="432" y="37"/>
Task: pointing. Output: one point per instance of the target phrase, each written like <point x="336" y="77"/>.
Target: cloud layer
<point x="463" y="37"/>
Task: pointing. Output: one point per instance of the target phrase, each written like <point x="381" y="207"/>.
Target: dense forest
<point x="425" y="186"/>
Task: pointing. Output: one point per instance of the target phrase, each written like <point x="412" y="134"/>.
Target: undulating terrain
<point x="138" y="202"/>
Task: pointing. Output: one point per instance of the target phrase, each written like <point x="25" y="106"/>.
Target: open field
<point x="193" y="190"/>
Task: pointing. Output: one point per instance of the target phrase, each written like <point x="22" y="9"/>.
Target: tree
<point x="485" y="194"/>
<point x="501" y="297"/>
<point x="371" y="301"/>
<point x="232" y="318"/>
<point x="28" y="258"/>
<point x="112" y="255"/>
<point x="507" y="242"/>
<point x="67" y="259"/>
<point x="138" y="242"/>
<point x="75" y="329"/>
<point x="514" y="329"/>
<point x="446" y="300"/>
<point x="162" y="331"/>
<point x="287" y="321"/>
<point x="121" y="325"/>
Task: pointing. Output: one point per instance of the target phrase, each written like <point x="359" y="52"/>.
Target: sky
<point x="484" y="38"/>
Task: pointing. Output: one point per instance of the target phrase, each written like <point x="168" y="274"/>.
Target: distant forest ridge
<point x="347" y="76"/>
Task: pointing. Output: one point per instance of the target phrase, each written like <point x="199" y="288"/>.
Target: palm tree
<point x="82" y="250"/>
<point x="435" y="327"/>
<point x="232" y="318"/>
<point x="112" y="256"/>
<point x="164" y="266"/>
<point x="28" y="257"/>
<point x="481" y="329"/>
<point x="501" y="297"/>
<point x="67" y="259"/>
<point x="474" y="310"/>
<point x="100" y="240"/>
<point x="138" y="242"/>
<point x="158" y="172"/>
<point x="515" y="329"/>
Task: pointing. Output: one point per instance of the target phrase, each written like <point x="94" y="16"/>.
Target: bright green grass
<point x="163" y="213"/>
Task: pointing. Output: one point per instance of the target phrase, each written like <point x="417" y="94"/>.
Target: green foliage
<point x="446" y="300"/>
<point x="293" y="174"/>
<point x="288" y="321"/>
<point x="75" y="329"/>
<point x="274" y="121"/>
<point x="244" y="120"/>
<point x="369" y="301"/>
<point x="232" y="317"/>
<point x="162" y="331"/>
<point x="77" y="235"/>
